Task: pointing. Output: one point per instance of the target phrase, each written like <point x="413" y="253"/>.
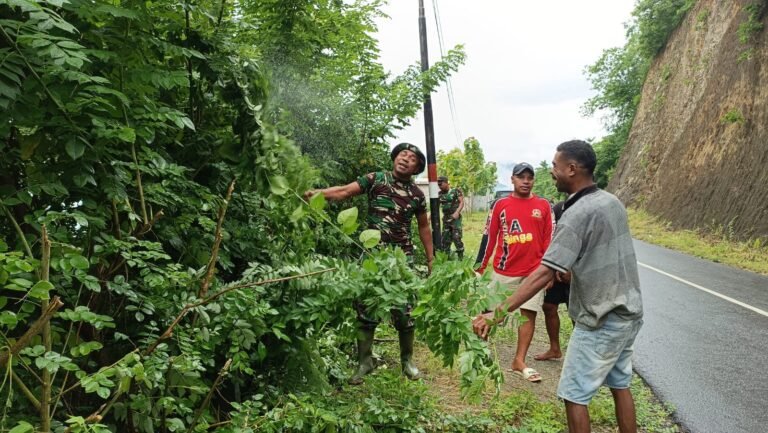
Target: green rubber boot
<point x="406" y="354"/>
<point x="365" y="362"/>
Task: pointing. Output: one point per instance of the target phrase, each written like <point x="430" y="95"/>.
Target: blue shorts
<point x="602" y="356"/>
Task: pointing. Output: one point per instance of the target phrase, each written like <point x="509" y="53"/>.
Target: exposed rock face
<point x="697" y="153"/>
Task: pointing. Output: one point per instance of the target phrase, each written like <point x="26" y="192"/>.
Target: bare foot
<point x="553" y="355"/>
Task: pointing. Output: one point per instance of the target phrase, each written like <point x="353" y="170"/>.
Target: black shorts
<point x="558" y="294"/>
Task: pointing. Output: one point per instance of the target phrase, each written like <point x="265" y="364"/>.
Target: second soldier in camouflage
<point x="452" y="203"/>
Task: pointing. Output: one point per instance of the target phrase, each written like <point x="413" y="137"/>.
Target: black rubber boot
<point x="406" y="354"/>
<point x="365" y="362"/>
<point x="460" y="253"/>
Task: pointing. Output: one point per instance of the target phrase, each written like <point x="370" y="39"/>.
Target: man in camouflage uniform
<point x="452" y="202"/>
<point x="393" y="200"/>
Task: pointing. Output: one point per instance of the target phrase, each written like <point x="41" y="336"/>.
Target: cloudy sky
<point x="522" y="87"/>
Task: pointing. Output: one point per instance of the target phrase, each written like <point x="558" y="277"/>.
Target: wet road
<point x="704" y="354"/>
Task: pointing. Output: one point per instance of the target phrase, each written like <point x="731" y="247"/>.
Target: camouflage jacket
<point x="391" y="205"/>
<point x="449" y="201"/>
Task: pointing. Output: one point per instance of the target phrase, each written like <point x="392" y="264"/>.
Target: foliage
<point x="619" y="74"/>
<point x="451" y="297"/>
<point x="753" y="24"/>
<point x="733" y="115"/>
<point x="467" y="168"/>
<point x="151" y="139"/>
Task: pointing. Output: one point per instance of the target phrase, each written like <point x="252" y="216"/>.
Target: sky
<point x="522" y="87"/>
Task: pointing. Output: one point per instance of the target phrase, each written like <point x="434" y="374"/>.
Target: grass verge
<point x="717" y="245"/>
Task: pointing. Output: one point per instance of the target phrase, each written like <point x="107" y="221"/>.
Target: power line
<point x="449" y="86"/>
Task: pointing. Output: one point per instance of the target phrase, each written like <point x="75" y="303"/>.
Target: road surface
<point x="704" y="345"/>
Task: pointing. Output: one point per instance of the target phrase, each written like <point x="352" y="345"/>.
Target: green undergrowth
<point x="717" y="244"/>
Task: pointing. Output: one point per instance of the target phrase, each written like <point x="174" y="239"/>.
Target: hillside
<point x="698" y="147"/>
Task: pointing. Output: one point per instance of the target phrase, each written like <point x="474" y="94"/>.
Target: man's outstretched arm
<point x="541" y="278"/>
<point x="336" y="193"/>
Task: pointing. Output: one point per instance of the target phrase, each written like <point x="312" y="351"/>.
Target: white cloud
<point x="522" y="87"/>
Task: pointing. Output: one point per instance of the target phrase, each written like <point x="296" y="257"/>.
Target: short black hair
<point x="581" y="152"/>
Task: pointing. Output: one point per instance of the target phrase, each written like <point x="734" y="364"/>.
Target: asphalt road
<point x="706" y="356"/>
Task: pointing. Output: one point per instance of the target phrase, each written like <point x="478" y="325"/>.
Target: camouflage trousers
<point x="401" y="317"/>
<point x="452" y="235"/>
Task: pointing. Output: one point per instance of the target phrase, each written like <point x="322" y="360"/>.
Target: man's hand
<point x="563" y="277"/>
<point x="309" y="193"/>
<point x="482" y="324"/>
<point x="455" y="216"/>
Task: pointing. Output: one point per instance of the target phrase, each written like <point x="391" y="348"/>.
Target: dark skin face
<point x="405" y="164"/>
<point x="569" y="176"/>
<point x="444" y="186"/>
<point x="523" y="184"/>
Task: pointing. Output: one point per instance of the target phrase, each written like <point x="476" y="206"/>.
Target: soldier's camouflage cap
<point x="408" y="146"/>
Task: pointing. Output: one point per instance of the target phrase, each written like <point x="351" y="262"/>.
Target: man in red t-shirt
<point x="519" y="231"/>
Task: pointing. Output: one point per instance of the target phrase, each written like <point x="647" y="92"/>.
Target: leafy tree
<point x="467" y="169"/>
<point x="150" y="216"/>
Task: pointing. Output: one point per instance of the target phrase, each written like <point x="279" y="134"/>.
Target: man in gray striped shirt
<point x="593" y="243"/>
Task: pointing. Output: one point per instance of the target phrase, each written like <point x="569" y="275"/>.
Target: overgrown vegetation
<point x="158" y="268"/>
<point x="619" y="74"/>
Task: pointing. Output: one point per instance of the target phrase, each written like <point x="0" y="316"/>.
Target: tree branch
<point x="33" y="330"/>
<point x="207" y="400"/>
<point x="216" y="244"/>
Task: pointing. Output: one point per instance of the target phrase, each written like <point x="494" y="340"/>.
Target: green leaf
<point x="278" y="185"/>
<point x="22" y="427"/>
<point x="79" y="262"/>
<point x="370" y="266"/>
<point x="3" y="246"/>
<point x="75" y="148"/>
<point x="317" y="202"/>
<point x="40" y="290"/>
<point x="188" y="123"/>
<point x="347" y="217"/>
<point x="370" y="238"/>
<point x="127" y="134"/>
<point x="297" y="214"/>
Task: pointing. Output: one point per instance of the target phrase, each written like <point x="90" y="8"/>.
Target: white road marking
<point x="704" y="289"/>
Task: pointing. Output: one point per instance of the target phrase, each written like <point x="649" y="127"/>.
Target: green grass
<point x="717" y="244"/>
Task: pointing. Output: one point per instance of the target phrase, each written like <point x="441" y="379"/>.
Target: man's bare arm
<point x="540" y="279"/>
<point x="337" y="193"/>
<point x="425" y="234"/>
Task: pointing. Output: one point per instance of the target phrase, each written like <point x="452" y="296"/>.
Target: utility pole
<point x="429" y="130"/>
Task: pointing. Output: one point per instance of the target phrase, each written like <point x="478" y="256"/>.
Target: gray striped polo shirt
<point x="592" y="241"/>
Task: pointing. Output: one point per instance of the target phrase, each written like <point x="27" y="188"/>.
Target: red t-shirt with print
<point x="519" y="232"/>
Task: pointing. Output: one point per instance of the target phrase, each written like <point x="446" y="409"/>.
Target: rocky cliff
<point x="697" y="153"/>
